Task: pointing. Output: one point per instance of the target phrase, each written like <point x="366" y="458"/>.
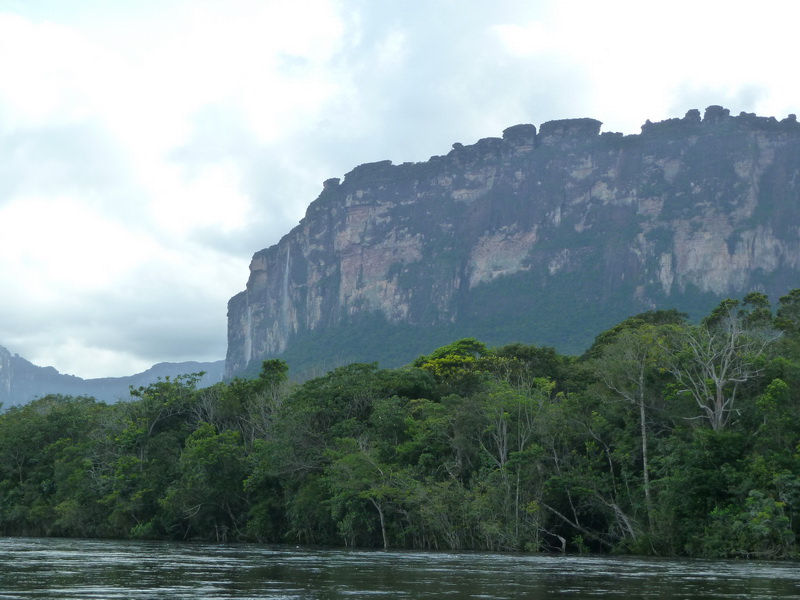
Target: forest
<point x="664" y="438"/>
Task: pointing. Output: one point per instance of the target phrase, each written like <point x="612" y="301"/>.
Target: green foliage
<point x="655" y="318"/>
<point x="207" y="499"/>
<point x="44" y="473"/>
<point x="787" y="317"/>
<point x="515" y="448"/>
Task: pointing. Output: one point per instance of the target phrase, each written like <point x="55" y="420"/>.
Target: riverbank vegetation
<point x="664" y="438"/>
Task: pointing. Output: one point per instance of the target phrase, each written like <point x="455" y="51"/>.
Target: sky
<point x="148" y="148"/>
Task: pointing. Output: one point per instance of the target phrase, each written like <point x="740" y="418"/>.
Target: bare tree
<point x="711" y="361"/>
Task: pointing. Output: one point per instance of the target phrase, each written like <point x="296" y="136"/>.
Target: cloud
<point x="73" y="158"/>
<point x="148" y="149"/>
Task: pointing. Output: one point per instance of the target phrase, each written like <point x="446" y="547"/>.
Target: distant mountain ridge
<point x="544" y="236"/>
<point x="22" y="381"/>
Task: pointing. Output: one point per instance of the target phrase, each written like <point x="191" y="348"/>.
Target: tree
<point x="510" y="415"/>
<point x="756" y="312"/>
<point x="45" y="459"/>
<point x="247" y="405"/>
<point x="711" y="361"/>
<point x="357" y="476"/>
<point x="624" y="367"/>
<point x="149" y="435"/>
<point x="653" y="317"/>
<point x="207" y="498"/>
<point x="458" y="367"/>
<point x="267" y="396"/>
<point x="787" y="317"/>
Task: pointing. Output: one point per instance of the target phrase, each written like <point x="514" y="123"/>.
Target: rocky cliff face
<point x="543" y="237"/>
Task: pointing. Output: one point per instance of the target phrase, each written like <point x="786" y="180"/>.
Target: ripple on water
<point x="67" y="569"/>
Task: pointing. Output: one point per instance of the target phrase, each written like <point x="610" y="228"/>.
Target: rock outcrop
<point x="543" y="237"/>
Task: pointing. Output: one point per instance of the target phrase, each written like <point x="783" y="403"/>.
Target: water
<point x="63" y="569"/>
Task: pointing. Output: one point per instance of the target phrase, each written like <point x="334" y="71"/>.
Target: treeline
<point x="665" y="438"/>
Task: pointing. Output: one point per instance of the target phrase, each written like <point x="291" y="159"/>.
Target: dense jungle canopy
<point x="665" y="437"/>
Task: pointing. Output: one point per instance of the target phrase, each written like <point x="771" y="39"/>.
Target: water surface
<point x="63" y="569"/>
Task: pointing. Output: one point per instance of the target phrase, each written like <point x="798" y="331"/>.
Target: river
<point x="59" y="569"/>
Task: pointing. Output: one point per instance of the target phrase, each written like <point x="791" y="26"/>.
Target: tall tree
<point x="712" y="360"/>
<point x="625" y="367"/>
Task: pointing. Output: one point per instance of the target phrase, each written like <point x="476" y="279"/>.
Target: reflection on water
<point x="63" y="569"/>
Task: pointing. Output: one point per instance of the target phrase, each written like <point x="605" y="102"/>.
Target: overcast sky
<point x="149" y="147"/>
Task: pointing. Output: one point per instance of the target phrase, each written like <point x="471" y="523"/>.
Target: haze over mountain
<point x="21" y="381"/>
<point x="544" y="237"/>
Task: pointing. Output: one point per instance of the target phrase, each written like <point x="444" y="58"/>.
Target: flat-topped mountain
<point x="545" y="237"/>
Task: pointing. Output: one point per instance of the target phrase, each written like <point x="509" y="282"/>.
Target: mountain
<point x="21" y="381"/>
<point x="545" y="237"/>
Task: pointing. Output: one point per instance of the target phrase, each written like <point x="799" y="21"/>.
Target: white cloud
<point x="58" y="243"/>
<point x="645" y="59"/>
<point x="147" y="149"/>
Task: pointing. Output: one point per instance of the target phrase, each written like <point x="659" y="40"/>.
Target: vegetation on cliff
<point x="665" y="438"/>
<point x="550" y="236"/>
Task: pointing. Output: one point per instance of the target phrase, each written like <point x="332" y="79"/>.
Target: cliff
<point x="544" y="237"/>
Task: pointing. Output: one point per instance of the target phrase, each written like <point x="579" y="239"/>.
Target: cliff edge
<point x="545" y="237"/>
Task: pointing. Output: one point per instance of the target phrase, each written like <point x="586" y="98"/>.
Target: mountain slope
<point x="21" y="381"/>
<point x="545" y="237"/>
